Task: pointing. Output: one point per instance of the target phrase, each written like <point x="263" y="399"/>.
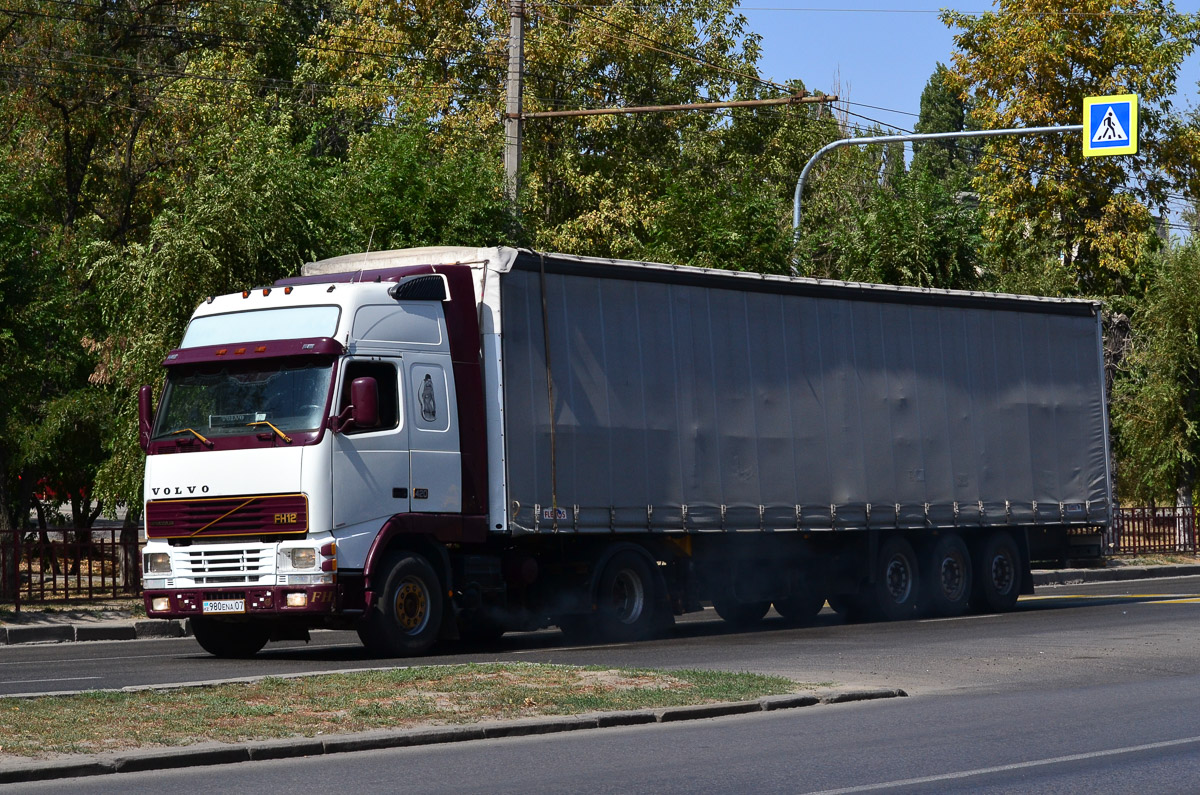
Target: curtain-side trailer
<point x="430" y="443"/>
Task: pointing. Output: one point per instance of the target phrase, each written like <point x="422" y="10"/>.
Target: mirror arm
<point x="340" y="423"/>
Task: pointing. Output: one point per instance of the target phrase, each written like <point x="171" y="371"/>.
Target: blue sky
<point x="881" y="51"/>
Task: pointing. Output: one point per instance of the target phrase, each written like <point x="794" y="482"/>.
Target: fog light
<point x="297" y="600"/>
<point x="160" y="604"/>
<point x="157" y="562"/>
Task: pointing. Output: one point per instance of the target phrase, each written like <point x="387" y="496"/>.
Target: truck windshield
<point x="223" y="399"/>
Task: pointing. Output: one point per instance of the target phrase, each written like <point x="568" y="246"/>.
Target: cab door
<point x="370" y="465"/>
<point x="433" y="421"/>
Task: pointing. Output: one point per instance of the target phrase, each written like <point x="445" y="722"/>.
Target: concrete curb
<point x="1117" y="574"/>
<point x="98" y="630"/>
<point x="220" y="754"/>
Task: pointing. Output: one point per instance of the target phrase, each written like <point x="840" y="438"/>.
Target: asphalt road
<point x="1082" y="689"/>
<point x="1067" y="636"/>
<point x="1138" y="738"/>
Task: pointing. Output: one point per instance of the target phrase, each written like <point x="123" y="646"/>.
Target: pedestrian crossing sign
<point x="1110" y="125"/>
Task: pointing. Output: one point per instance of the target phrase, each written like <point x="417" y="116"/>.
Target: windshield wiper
<point x="287" y="439"/>
<point x="195" y="433"/>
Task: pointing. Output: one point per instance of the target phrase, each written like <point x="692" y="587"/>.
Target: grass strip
<point x="342" y="703"/>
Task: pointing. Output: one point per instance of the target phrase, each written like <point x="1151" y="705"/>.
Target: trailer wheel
<point x="947" y="581"/>
<point x="997" y="575"/>
<point x="853" y="608"/>
<point x="407" y="615"/>
<point x="801" y="607"/>
<point x="577" y="629"/>
<point x="625" y="598"/>
<point x="229" y="639"/>
<point x="897" y="582"/>
<point x="740" y="614"/>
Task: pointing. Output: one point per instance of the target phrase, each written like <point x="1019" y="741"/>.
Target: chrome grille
<point x="226" y="565"/>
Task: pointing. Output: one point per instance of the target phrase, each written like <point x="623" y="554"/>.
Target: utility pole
<point x="512" y="114"/>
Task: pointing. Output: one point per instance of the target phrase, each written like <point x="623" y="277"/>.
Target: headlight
<point x="156" y="562"/>
<point x="304" y="558"/>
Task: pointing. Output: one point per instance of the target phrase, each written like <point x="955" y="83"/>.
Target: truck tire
<point x="997" y="574"/>
<point x="229" y="639"/>
<point x="405" y="619"/>
<point x="897" y="586"/>
<point x="853" y="608"/>
<point x="626" y="598"/>
<point x="740" y="614"/>
<point x="801" y="607"/>
<point x="948" y="577"/>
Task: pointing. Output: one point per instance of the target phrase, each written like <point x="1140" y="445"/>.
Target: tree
<point x="1030" y="63"/>
<point x="1156" y="406"/>
<point x="943" y="110"/>
<point x="871" y="219"/>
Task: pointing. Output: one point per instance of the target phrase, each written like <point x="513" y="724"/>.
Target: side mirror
<point x="145" y="417"/>
<point x="363" y="411"/>
<point x="364" y="399"/>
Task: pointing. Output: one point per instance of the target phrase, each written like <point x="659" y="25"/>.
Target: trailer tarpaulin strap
<point x="549" y="399"/>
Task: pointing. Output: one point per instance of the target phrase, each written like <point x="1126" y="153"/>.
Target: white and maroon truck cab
<point x="303" y="428"/>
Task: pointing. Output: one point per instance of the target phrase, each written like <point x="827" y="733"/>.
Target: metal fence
<point x="65" y="565"/>
<point x="1152" y="531"/>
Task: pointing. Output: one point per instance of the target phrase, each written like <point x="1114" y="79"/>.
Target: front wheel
<point x="229" y="639"/>
<point x="407" y="615"/>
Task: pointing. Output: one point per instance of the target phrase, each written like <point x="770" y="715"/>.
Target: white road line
<point x="983" y="771"/>
<point x="574" y="648"/>
<point x="959" y="618"/>
<point x="34" y="681"/>
<point x="160" y="656"/>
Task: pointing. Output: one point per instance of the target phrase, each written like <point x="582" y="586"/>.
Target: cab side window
<point x="384" y="374"/>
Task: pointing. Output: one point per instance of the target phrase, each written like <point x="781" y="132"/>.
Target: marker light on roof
<point x="266" y="291"/>
<point x="287" y="290"/>
<point x="261" y="349"/>
<point x="245" y="293"/>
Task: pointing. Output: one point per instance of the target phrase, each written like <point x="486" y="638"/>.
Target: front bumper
<point x="264" y="601"/>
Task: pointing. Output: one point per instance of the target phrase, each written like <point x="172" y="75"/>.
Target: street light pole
<point x="891" y="139"/>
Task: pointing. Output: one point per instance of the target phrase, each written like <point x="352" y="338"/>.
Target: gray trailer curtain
<point x="689" y="407"/>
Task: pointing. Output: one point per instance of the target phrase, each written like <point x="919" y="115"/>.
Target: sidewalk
<point x="33" y="626"/>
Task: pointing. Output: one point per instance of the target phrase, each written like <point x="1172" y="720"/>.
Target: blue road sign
<point x="1110" y="125"/>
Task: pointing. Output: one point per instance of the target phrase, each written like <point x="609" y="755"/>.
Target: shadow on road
<point x="328" y="647"/>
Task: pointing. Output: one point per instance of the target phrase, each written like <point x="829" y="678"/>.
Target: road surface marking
<point x="959" y="618"/>
<point x="983" y="771"/>
<point x="34" y="681"/>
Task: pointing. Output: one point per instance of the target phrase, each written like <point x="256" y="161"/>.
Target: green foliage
<point x="1156" y="406"/>
<point x="1030" y="63"/>
<point x="156" y="153"/>
<point x="399" y="190"/>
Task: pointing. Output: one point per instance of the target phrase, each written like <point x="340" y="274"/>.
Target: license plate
<point x="224" y="606"/>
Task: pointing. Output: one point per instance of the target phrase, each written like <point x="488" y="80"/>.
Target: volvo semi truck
<point x="440" y="443"/>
